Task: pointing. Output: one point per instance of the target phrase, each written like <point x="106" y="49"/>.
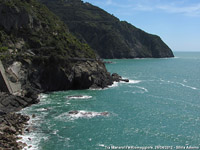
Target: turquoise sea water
<point x="159" y="107"/>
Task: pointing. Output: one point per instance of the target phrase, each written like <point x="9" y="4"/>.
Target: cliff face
<point x="39" y="54"/>
<point x="110" y="37"/>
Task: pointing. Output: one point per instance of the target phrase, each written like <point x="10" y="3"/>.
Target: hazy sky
<point x="177" y="22"/>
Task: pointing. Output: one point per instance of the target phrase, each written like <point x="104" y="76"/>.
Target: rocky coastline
<point x="38" y="54"/>
<point x="13" y="124"/>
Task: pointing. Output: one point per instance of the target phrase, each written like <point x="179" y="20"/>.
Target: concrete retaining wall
<point x="4" y="83"/>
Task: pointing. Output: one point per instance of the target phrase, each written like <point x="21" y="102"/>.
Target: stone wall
<point x="4" y="83"/>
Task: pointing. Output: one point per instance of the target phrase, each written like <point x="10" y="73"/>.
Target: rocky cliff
<point x="39" y="54"/>
<point x="106" y="34"/>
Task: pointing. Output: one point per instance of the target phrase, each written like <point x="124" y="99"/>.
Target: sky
<point x="177" y="22"/>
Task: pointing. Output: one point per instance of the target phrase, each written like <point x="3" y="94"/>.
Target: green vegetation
<point x="31" y="26"/>
<point x="110" y="37"/>
<point x="3" y="49"/>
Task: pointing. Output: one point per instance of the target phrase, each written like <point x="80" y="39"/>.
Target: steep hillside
<point x="110" y="37"/>
<point x="28" y="25"/>
<point x="39" y="53"/>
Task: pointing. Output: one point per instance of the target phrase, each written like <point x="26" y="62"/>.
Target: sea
<point x="158" y="109"/>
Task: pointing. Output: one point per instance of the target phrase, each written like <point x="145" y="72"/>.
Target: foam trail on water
<point x="176" y="100"/>
<point x="79" y="97"/>
<point x="185" y="80"/>
<point x="144" y="90"/>
<point x="134" y="81"/>
<point x="191" y="87"/>
<point x="73" y="115"/>
<point x="116" y="84"/>
<point x="130" y="81"/>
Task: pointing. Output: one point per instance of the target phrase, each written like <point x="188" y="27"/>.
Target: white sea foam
<point x="134" y="81"/>
<point x="115" y="84"/>
<point x="33" y="138"/>
<point x="184" y="85"/>
<point x="55" y="131"/>
<point x="79" y="97"/>
<point x="191" y="87"/>
<point x="42" y="109"/>
<point x="96" y="89"/>
<point x="101" y="145"/>
<point x="42" y="96"/>
<point x="130" y="81"/>
<point x="185" y="80"/>
<point x="73" y="115"/>
<point x="176" y="101"/>
<point x="142" y="90"/>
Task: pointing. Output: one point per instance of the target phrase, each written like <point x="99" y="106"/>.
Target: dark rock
<point x="33" y="116"/>
<point x="6" y="102"/>
<point x="91" y="74"/>
<point x="124" y="80"/>
<point x="31" y="94"/>
<point x="73" y="112"/>
<point x="19" y="18"/>
<point x="107" y="62"/>
<point x="9" y="127"/>
<point x="116" y="77"/>
<point x="62" y="65"/>
<point x="11" y="103"/>
<point x="29" y="129"/>
<point x="2" y="113"/>
<point x="22" y="102"/>
<point x="104" y="113"/>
